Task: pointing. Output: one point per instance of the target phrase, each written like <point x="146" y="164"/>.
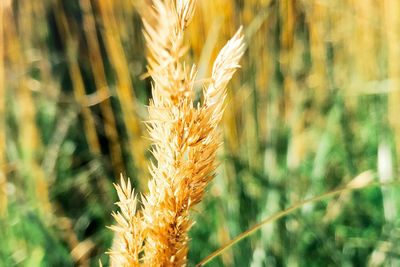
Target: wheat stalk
<point x="185" y="140"/>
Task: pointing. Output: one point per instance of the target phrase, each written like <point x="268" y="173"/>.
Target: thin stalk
<point x="99" y="75"/>
<point x="124" y="89"/>
<point x="283" y="213"/>
<point x="77" y="81"/>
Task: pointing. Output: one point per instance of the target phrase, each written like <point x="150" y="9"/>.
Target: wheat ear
<point x="185" y="137"/>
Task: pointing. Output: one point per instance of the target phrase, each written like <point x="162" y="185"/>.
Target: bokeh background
<point x="316" y="103"/>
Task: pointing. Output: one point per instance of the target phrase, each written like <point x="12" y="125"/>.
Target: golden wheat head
<point x="185" y="140"/>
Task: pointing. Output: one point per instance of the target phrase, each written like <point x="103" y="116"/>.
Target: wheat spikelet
<point x="185" y="139"/>
<point x="129" y="228"/>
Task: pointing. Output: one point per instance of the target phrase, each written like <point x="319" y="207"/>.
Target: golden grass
<point x="351" y="45"/>
<point x="77" y="80"/>
<point x="185" y="140"/>
<point x="124" y="87"/>
<point x="100" y="80"/>
<point x="28" y="137"/>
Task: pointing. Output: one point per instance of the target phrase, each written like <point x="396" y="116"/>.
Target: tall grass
<point x="313" y="106"/>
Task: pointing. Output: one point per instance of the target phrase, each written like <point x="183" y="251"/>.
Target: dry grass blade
<point x="124" y="88"/>
<point x="285" y="212"/>
<point x="100" y="80"/>
<point x="77" y="80"/>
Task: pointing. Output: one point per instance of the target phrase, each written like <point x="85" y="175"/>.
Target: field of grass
<point x="315" y="107"/>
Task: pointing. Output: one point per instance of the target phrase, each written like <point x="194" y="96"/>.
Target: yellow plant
<point x="185" y="140"/>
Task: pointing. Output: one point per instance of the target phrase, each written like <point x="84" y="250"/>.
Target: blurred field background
<point x="316" y="103"/>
